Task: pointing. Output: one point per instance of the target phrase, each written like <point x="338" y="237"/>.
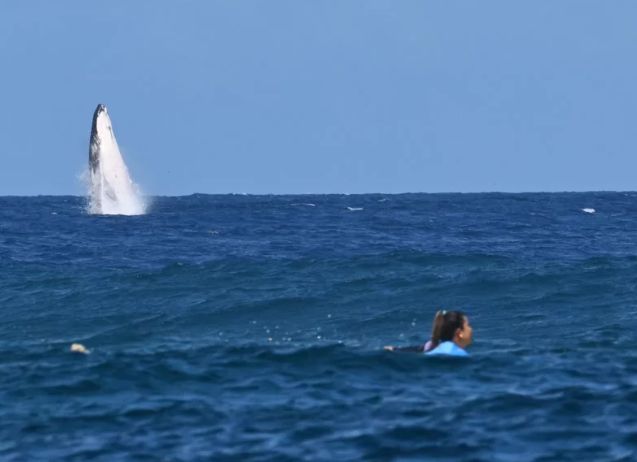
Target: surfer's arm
<point x="414" y="348"/>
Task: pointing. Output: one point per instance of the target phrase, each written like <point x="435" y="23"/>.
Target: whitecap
<point x="355" y="209"/>
<point x="588" y="210"/>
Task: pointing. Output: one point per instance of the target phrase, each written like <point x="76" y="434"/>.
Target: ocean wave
<point x="264" y="340"/>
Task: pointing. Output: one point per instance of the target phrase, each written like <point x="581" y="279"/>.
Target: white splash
<point x="111" y="189"/>
<point x="588" y="210"/>
<point x="355" y="209"/>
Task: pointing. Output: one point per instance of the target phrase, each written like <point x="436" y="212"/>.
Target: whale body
<point x="112" y="191"/>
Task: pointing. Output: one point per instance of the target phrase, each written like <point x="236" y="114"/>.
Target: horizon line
<point x="344" y="193"/>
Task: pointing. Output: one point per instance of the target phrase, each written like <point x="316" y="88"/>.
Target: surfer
<point x="450" y="335"/>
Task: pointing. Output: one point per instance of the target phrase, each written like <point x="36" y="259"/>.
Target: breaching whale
<point x="112" y="191"/>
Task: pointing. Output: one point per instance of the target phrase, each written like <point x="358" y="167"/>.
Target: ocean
<point x="251" y="328"/>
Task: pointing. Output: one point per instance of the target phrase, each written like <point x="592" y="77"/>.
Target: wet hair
<point x="445" y="325"/>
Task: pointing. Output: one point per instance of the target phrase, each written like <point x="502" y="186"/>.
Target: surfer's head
<point x="451" y="326"/>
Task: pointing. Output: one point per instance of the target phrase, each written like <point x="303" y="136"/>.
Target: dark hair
<point x="445" y="325"/>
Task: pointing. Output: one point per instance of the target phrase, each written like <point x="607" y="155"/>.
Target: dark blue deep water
<point x="251" y="328"/>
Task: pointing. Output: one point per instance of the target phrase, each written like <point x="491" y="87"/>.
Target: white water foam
<point x="111" y="189"/>
<point x="588" y="210"/>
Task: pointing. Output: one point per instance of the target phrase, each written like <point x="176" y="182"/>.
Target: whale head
<point x="94" y="147"/>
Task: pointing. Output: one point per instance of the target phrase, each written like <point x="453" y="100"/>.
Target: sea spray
<point x="111" y="189"/>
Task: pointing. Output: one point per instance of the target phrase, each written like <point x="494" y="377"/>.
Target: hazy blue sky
<point x="322" y="96"/>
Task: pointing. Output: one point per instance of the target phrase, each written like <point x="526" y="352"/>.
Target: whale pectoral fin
<point x="109" y="192"/>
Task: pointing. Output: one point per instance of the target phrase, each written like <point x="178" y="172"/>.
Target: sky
<point x="322" y="96"/>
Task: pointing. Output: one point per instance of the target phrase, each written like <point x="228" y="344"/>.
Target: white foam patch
<point x="588" y="210"/>
<point x="111" y="188"/>
<point x="79" y="348"/>
<point x="355" y="209"/>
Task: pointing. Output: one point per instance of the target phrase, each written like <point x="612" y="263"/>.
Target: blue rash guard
<point x="448" y="349"/>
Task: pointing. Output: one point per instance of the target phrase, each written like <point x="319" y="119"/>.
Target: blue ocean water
<point x="251" y="328"/>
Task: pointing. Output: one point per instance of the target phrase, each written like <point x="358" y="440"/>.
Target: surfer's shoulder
<point x="447" y="349"/>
